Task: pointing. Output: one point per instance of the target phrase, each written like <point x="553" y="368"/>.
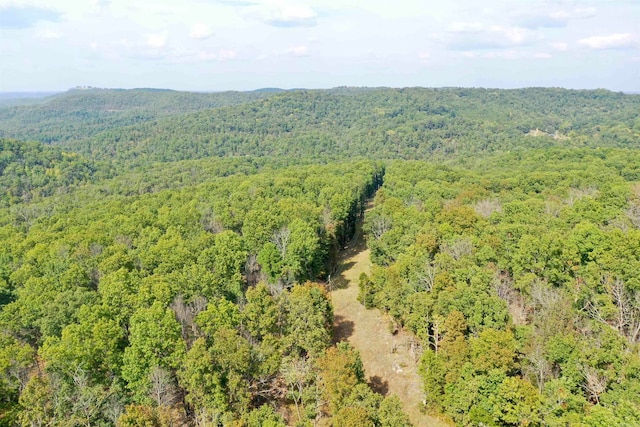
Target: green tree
<point x="154" y="340"/>
<point x="309" y="317"/>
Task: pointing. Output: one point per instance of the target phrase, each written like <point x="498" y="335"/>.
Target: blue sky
<point x="247" y="44"/>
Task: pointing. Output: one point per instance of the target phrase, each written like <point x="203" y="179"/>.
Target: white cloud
<point x="514" y="35"/>
<point x="505" y="54"/>
<point x="227" y="54"/>
<point x="424" y="57"/>
<point x="157" y="41"/>
<point x="200" y="31"/>
<point x="466" y="27"/>
<point x="587" y="12"/>
<point x="565" y="16"/>
<point x="559" y="46"/>
<point x="101" y="3"/>
<point x="472" y="36"/>
<point x="298" y="51"/>
<point x="48" y="34"/>
<point x="221" y="55"/>
<point x="283" y="13"/>
<point x="613" y="41"/>
<point x="554" y="19"/>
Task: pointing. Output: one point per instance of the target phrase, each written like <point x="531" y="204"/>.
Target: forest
<point x="169" y="258"/>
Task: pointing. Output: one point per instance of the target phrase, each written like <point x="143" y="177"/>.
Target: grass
<point x="388" y="358"/>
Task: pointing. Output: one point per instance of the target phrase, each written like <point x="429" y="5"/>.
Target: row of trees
<point x="519" y="276"/>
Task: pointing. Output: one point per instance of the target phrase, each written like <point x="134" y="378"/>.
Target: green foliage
<point x="202" y="381"/>
<point x="390" y="413"/>
<point x="516" y="403"/>
<point x="154" y="341"/>
<point x="137" y="127"/>
<point x="515" y="271"/>
<point x="145" y="416"/>
<point x="310" y="316"/>
<point x="135" y="297"/>
<point x="144" y="282"/>
<point x="82" y="113"/>
<point x="31" y="170"/>
<point x="264" y="416"/>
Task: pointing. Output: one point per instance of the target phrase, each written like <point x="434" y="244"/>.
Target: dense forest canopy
<point x="166" y="258"/>
<point x="411" y="123"/>
<point x="520" y="276"/>
<point x="81" y="113"/>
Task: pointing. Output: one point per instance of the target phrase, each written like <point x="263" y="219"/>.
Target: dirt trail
<point x="389" y="363"/>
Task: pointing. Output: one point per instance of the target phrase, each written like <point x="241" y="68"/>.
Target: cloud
<point x="424" y="57"/>
<point x="472" y="36"/>
<point x="237" y="3"/>
<point x="505" y="54"/>
<point x="298" y="51"/>
<point x="282" y="13"/>
<point x="200" y="32"/>
<point x="227" y="54"/>
<point x="221" y="55"/>
<point x="559" y="46"/>
<point x="556" y="19"/>
<point x="18" y="18"/>
<point x="157" y="47"/>
<point x="157" y="41"/>
<point x="48" y="34"/>
<point x="613" y="41"/>
<point x="466" y="27"/>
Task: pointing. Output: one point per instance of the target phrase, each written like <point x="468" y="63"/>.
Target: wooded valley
<point x="168" y="258"/>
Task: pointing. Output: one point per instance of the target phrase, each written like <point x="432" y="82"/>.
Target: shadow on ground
<point x="357" y="245"/>
<point x="342" y="329"/>
<point x="338" y="281"/>
<point x="378" y="385"/>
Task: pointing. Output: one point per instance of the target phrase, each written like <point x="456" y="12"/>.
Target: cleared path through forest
<point x="389" y="362"/>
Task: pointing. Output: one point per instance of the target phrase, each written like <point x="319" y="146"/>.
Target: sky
<point x="212" y="45"/>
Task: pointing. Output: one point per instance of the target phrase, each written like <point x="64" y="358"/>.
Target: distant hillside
<point x="11" y="99"/>
<point x="411" y="123"/>
<point x="31" y="169"/>
<point x="81" y="113"/>
<point x="269" y="90"/>
<point x="138" y="126"/>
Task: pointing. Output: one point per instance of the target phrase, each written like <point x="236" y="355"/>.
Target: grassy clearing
<point x="389" y="361"/>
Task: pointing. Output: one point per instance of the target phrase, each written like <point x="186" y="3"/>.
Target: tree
<point x="516" y="403"/>
<point x="260" y="312"/>
<point x="340" y="371"/>
<point x="154" y="341"/>
<point x="309" y="317"/>
<point x="390" y="413"/>
<point x="203" y="383"/>
<point x="16" y="360"/>
<point x="146" y="416"/>
<point x="219" y="314"/>
<point x="36" y="399"/>
<point x="493" y="350"/>
<point x="264" y="416"/>
<point x="270" y="260"/>
<point x="353" y="417"/>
